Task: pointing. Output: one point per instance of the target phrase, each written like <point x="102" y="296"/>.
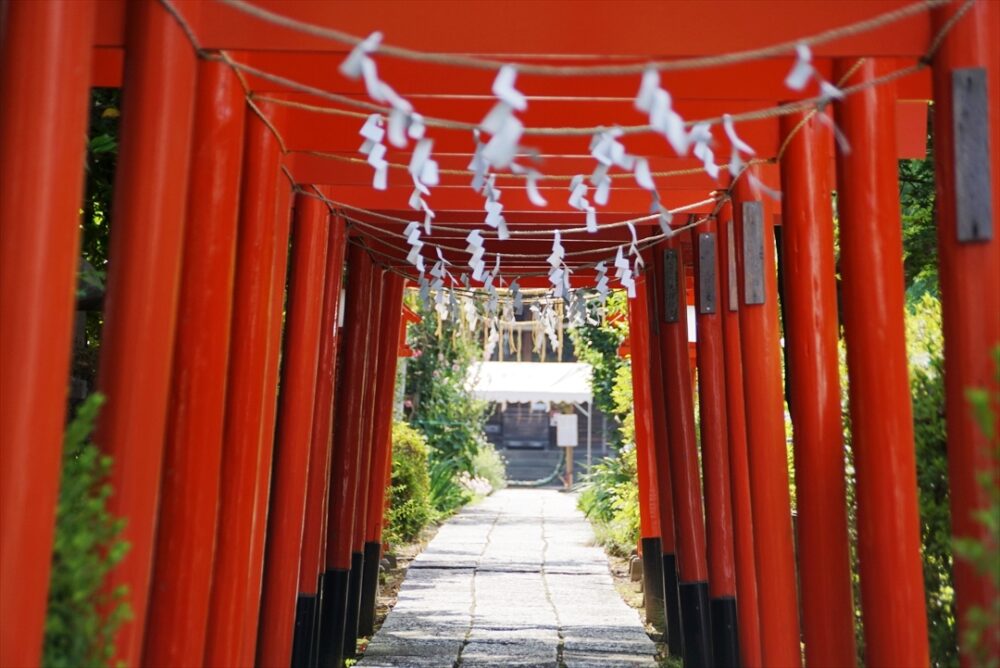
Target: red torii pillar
<point x="966" y="141"/>
<point x="367" y="445"/>
<point x="310" y="239"/>
<point x="645" y="462"/>
<point x="279" y="273"/>
<point x="871" y="256"/>
<point x="812" y="367"/>
<point x="715" y="446"/>
<point x="661" y="446"/>
<point x="408" y="318"/>
<point x="47" y="50"/>
<point x="346" y="451"/>
<point x="388" y="347"/>
<point x="307" y="617"/>
<point x="376" y="523"/>
<point x="192" y="460"/>
<point x="150" y="198"/>
<point x="241" y="457"/>
<point x="696" y="624"/>
<point x="739" y="466"/>
<point x="765" y="420"/>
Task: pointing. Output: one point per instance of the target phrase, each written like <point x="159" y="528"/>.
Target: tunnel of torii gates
<point x="254" y="516"/>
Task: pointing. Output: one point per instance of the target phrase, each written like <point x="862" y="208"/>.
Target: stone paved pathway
<point x="512" y="581"/>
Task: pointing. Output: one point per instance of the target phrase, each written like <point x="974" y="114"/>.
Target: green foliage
<point x="95" y="222"/>
<point x="982" y="625"/>
<point x="621" y="402"/>
<point x="79" y="630"/>
<point x="102" y="158"/>
<point x="925" y="352"/>
<point x="597" y="345"/>
<point x="410" y="507"/>
<point x="610" y="498"/>
<point x="917" y="201"/>
<point x="447" y="492"/>
<point x="443" y="408"/>
<point x="490" y="465"/>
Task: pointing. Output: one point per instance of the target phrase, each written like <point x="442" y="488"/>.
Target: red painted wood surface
<point x="871" y="263"/>
<point x="970" y="301"/>
<point x="286" y="514"/>
<point x="347" y="426"/>
<point x="314" y="533"/>
<point x="739" y="463"/>
<point x="661" y="436"/>
<point x="385" y="394"/>
<point x="192" y="459"/>
<point x="812" y="368"/>
<point x="714" y="433"/>
<point x="645" y="448"/>
<point x="150" y="196"/>
<point x="245" y="398"/>
<point x="678" y="399"/>
<point x="765" y="420"/>
<point x="279" y="271"/>
<point x="373" y="363"/>
<point x="543" y="29"/>
<point x="41" y="154"/>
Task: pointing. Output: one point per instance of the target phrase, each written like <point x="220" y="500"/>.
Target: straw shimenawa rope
<point x="476" y="62"/>
<point x="809" y="105"/>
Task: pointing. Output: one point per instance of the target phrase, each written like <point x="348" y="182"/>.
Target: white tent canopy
<point x="518" y="382"/>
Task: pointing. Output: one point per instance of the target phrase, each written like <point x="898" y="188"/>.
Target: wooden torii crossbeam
<point x="235" y="115"/>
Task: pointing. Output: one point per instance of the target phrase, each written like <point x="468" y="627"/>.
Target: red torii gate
<point x="227" y="564"/>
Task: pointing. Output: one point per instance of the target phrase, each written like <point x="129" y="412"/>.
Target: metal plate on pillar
<point x="970" y="116"/>
<point x="670" y="287"/>
<point x="753" y="252"/>
<point x="734" y="295"/>
<point x="707" y="296"/>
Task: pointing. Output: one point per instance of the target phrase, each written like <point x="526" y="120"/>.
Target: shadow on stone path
<point x="513" y="581"/>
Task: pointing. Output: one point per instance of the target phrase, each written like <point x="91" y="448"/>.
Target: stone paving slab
<point x="513" y="581"/>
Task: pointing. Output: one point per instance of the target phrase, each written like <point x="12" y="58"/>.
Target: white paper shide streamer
<point x="504" y="128"/>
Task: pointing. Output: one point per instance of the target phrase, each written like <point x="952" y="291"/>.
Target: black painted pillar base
<point x="652" y="581"/>
<point x="369" y="589"/>
<point x="672" y="606"/>
<point x="353" y="605"/>
<point x="696" y="622"/>
<point x="305" y="625"/>
<point x="332" y="618"/>
<point x="317" y="623"/>
<point x="725" y="638"/>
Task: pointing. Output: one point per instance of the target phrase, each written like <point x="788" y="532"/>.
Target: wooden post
<point x="262" y="493"/>
<point x="192" y="459"/>
<point x="696" y="624"/>
<point x="245" y="396"/>
<point x="871" y="257"/>
<point x="150" y="196"/>
<point x="372" y="361"/>
<point x="715" y="447"/>
<point x="811" y="333"/>
<point x="661" y="442"/>
<point x="346" y="447"/>
<point x="46" y="49"/>
<point x="739" y="465"/>
<point x="765" y="421"/>
<point x="379" y="481"/>
<point x="966" y="141"/>
<point x="305" y="647"/>
<point x="649" y="511"/>
<point x="286" y="515"/>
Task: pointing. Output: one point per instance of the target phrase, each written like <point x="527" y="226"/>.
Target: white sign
<point x="566" y="430"/>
